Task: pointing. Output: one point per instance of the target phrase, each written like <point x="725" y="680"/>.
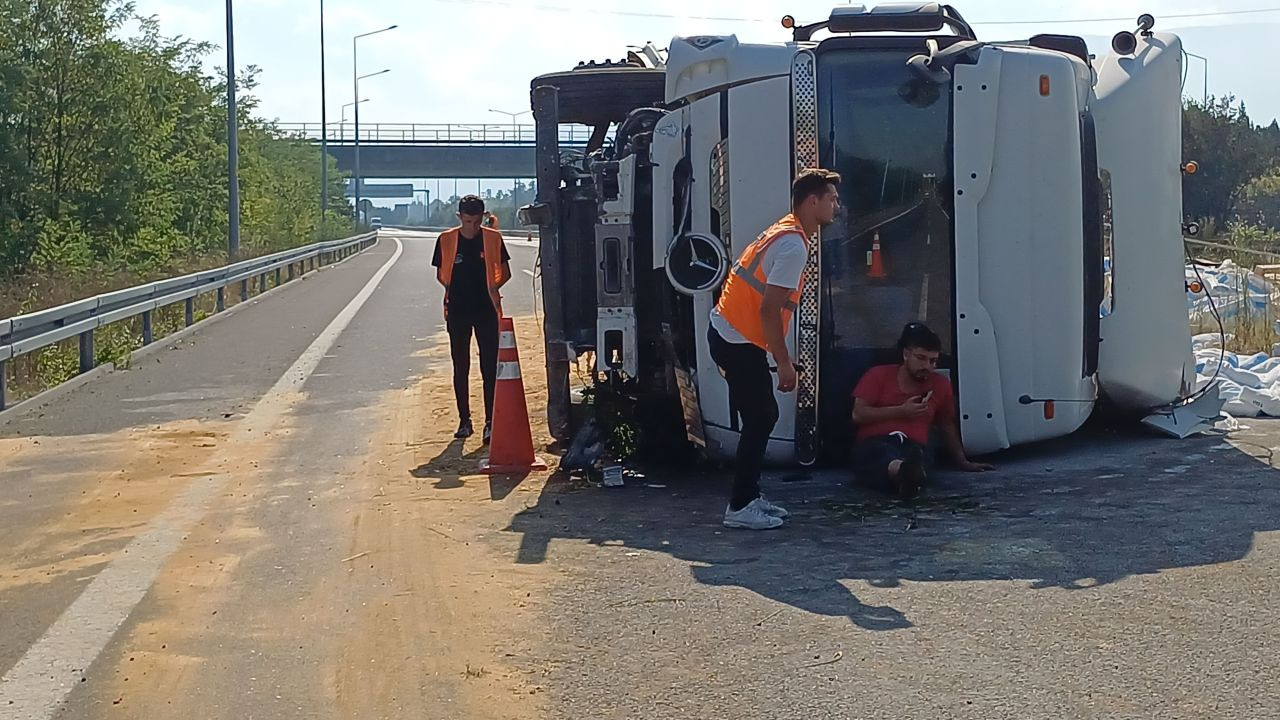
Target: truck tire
<point x="597" y="96"/>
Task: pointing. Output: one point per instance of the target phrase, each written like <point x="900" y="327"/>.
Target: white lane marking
<point x="41" y="680"/>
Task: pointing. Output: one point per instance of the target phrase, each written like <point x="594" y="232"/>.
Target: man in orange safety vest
<point x="472" y="263"/>
<point x="750" y="322"/>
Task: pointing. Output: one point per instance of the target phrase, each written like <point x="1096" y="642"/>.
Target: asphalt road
<point x="269" y="520"/>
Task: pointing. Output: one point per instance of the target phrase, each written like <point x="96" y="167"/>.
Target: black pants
<point x="461" y="326"/>
<point x="871" y="459"/>
<point x="746" y="370"/>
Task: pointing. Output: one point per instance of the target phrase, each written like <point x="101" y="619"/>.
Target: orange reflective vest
<point x="491" y="221"/>
<point x="493" y="271"/>
<point x="743" y="293"/>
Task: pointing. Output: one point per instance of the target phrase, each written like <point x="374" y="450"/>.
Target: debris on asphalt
<point x="835" y="659"/>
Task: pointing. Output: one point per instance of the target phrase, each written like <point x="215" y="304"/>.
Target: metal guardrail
<point x="27" y="333"/>
<point x="434" y="134"/>
<point x="1233" y="249"/>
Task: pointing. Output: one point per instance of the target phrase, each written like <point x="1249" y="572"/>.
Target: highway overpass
<point x="430" y="152"/>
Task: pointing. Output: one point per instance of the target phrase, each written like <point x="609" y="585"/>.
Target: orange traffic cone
<point x="875" y="266"/>
<point x="511" y="443"/>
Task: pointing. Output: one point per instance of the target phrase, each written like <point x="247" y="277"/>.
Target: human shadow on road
<point x="1081" y="512"/>
<point x="452" y="464"/>
<point x="448" y="467"/>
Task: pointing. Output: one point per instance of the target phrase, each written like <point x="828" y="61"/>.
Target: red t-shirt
<point x="879" y="387"/>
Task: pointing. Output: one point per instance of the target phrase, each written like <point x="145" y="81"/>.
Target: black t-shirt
<point x="468" y="290"/>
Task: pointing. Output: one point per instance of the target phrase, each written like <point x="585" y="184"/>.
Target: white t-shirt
<point x="783" y="266"/>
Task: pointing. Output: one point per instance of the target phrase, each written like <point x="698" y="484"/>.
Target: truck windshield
<point x="888" y="134"/>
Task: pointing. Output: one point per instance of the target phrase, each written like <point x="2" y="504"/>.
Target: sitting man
<point x="894" y="407"/>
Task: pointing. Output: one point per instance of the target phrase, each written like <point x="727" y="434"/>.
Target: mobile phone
<point x="927" y="396"/>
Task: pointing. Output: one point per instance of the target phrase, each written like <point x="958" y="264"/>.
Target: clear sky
<point x="452" y="61"/>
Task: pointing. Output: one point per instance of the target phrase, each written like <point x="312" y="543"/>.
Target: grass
<point x="1247" y="246"/>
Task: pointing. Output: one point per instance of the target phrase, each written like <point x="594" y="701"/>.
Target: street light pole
<point x="342" y="124"/>
<point x="233" y="146"/>
<point x="515" y="138"/>
<point x="355" y="97"/>
<point x="324" y="132"/>
<point x="1206" y="75"/>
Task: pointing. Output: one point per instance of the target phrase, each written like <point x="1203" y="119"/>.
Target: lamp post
<point x="324" y="131"/>
<point x="355" y="97"/>
<point x="1206" y="76"/>
<point x="342" y="124"/>
<point x="515" y="138"/>
<point x="233" y="146"/>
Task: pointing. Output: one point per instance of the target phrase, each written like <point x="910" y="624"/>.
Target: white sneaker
<point x="775" y="510"/>
<point x="751" y="517"/>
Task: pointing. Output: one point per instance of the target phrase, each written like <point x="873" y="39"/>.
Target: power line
<point x="712" y="18"/>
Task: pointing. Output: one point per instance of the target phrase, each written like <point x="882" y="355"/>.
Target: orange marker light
<point x="1044" y="86"/>
<point x="788" y="22"/>
<point x="1191" y="168"/>
<point x="1195" y="287"/>
<point x="1048" y="409"/>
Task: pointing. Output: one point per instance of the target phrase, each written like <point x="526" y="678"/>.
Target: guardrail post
<point x="86" y="351"/>
<point x="191" y="311"/>
<point x="147" y="335"/>
<point x="278" y="274"/>
<point x="244" y="290"/>
<point x="290" y="272"/>
<point x="222" y="299"/>
<point x="262" y="283"/>
<point x="3" y="384"/>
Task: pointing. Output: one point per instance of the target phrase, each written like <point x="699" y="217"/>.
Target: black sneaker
<point x="488" y="431"/>
<point x="911" y="474"/>
<point x="464" y="430"/>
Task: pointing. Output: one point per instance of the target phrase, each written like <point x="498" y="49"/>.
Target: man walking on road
<point x="750" y="323"/>
<point x="472" y="264"/>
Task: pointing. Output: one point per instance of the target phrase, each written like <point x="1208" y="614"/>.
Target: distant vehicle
<point x="375" y="223"/>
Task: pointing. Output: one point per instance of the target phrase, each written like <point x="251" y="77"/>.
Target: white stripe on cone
<point x="506" y="340"/>
<point x="509" y="370"/>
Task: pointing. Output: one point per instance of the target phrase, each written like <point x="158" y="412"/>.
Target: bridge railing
<point x="425" y="133"/>
<point x="24" y="334"/>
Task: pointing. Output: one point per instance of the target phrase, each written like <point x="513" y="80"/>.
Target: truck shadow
<point x="1081" y="512"/>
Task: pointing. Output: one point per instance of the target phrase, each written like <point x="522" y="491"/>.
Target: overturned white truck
<point x="994" y="177"/>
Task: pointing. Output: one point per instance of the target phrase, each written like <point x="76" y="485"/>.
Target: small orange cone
<point x="511" y="443"/>
<point x="875" y="266"/>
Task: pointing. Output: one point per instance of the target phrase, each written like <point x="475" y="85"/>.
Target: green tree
<point x="113" y="148"/>
<point x="1230" y="151"/>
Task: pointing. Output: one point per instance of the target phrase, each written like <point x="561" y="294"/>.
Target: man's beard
<point x="920" y="375"/>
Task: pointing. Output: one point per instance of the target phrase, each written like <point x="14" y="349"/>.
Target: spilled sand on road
<point x="122" y="480"/>
<point x="451" y="606"/>
<point x="432" y="616"/>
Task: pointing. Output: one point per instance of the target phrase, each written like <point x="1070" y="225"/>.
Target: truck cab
<point x="984" y="187"/>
